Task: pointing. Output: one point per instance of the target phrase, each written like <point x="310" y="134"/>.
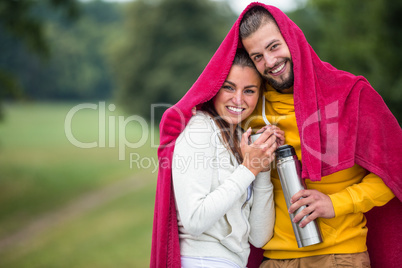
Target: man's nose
<point x="269" y="60"/>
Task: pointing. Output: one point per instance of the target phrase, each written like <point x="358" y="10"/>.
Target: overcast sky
<point x="285" y="5"/>
<point x="239" y="5"/>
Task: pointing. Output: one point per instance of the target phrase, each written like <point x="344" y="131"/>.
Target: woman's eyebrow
<point x="227" y="81"/>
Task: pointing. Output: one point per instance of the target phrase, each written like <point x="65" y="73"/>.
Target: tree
<point x="19" y="22"/>
<point x="167" y="44"/>
<point x="71" y="62"/>
<point x="77" y="69"/>
<point x="19" y="18"/>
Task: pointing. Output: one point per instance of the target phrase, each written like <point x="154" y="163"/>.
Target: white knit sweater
<point x="211" y="190"/>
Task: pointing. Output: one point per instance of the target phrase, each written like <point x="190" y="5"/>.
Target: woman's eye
<point x="228" y="88"/>
<point x="249" y="91"/>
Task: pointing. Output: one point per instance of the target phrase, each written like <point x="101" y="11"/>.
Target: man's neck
<point x="287" y="91"/>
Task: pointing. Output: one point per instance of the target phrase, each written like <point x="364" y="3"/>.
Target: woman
<point x="165" y="250"/>
<point x="222" y="185"/>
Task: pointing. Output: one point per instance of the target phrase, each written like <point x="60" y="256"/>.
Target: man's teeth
<point x="279" y="68"/>
<point x="234" y="109"/>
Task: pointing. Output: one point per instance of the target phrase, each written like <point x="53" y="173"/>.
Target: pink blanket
<point x="329" y="103"/>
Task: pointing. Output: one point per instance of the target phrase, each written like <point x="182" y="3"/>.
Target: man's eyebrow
<point x="270" y="44"/>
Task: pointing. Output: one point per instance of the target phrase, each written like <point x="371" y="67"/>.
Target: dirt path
<point x="74" y="209"/>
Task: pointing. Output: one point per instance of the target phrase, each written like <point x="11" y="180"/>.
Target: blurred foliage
<point x="166" y="46"/>
<point x="67" y="58"/>
<point x="20" y="25"/>
<point x="361" y="39"/>
<point x="77" y="69"/>
<point x="18" y="18"/>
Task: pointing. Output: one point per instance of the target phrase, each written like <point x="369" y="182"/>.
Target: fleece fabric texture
<point x="326" y="100"/>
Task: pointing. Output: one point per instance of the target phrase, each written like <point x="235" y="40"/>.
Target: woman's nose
<point x="238" y="97"/>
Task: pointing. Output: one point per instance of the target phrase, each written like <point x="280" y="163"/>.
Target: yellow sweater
<point x="353" y="191"/>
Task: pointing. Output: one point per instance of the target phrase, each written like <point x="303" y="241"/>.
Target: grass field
<point x="65" y="206"/>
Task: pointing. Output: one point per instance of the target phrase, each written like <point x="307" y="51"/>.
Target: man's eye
<point x="257" y="58"/>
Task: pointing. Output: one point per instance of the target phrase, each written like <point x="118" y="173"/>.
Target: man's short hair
<point x="253" y="19"/>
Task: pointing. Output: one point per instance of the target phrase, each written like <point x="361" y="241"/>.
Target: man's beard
<point x="280" y="86"/>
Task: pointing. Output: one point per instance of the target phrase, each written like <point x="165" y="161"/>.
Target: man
<point x="316" y="106"/>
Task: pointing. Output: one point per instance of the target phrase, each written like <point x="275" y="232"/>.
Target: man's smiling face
<point x="270" y="54"/>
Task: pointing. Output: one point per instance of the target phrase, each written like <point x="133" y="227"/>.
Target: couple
<point x="347" y="139"/>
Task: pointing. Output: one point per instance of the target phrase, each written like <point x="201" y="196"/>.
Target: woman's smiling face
<point x="238" y="96"/>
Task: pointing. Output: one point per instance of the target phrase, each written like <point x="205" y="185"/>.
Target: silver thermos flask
<point x="289" y="170"/>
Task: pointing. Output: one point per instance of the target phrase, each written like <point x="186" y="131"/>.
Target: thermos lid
<point x="285" y="151"/>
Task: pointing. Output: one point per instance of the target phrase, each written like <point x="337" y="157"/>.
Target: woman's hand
<point x="259" y="155"/>
<point x="279" y="134"/>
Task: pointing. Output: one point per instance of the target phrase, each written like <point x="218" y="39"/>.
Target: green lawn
<point x="42" y="172"/>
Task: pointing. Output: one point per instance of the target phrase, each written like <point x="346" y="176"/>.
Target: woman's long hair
<point x="231" y="137"/>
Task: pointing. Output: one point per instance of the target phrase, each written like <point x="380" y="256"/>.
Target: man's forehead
<point x="265" y="33"/>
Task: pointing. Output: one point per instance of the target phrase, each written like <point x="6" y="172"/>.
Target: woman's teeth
<point x="234" y="109"/>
